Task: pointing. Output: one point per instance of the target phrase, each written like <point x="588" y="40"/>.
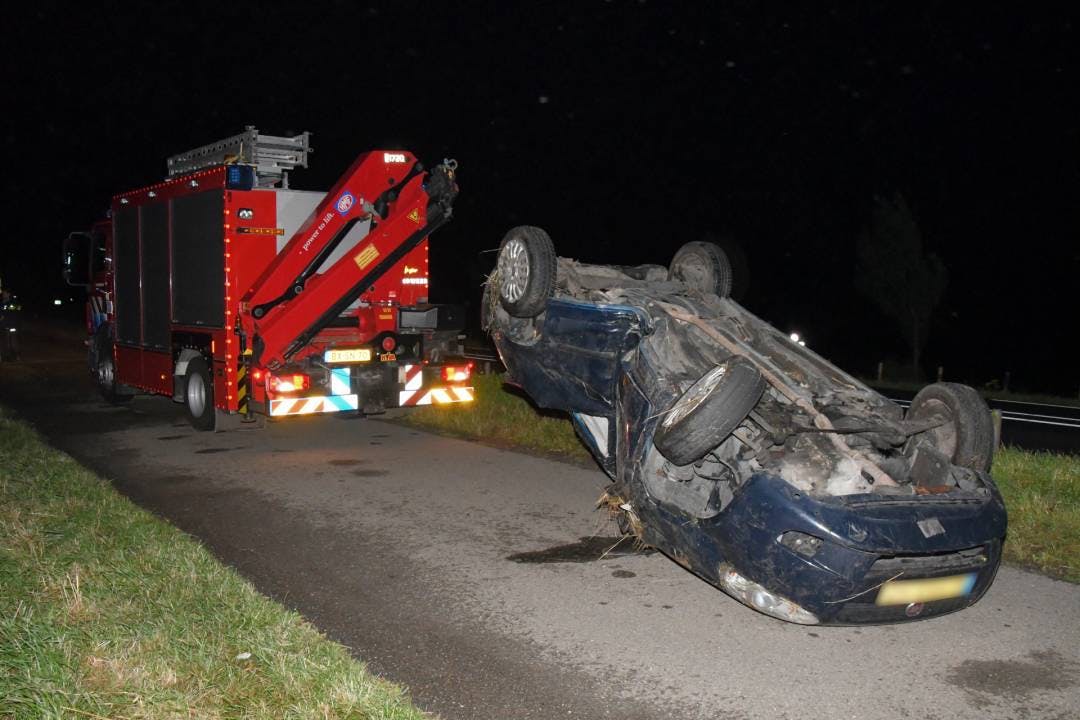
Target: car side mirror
<point x="77" y="254"/>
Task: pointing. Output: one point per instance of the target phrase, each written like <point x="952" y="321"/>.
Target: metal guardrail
<point x="1032" y="426"/>
<point x="1034" y="418"/>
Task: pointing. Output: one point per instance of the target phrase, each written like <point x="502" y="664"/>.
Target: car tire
<point x="199" y="395"/>
<point x="103" y="368"/>
<point x="703" y="267"/>
<point x="487" y="307"/>
<point x="709" y="411"/>
<point x="967" y="436"/>
<point x="526" y="271"/>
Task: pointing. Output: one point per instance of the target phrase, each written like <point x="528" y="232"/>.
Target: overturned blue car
<point x="744" y="456"/>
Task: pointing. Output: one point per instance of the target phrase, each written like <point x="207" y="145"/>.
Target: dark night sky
<point x="625" y="129"/>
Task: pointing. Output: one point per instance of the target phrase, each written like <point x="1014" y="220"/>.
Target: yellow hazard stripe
<point x="241" y="382"/>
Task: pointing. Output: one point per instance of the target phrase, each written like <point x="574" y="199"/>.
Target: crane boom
<point x="296" y="296"/>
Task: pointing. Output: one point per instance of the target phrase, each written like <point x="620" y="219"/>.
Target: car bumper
<point x="866" y="544"/>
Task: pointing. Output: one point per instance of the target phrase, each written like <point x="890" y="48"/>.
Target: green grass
<point x="503" y="416"/>
<point x="1042" y="494"/>
<point x="106" y="611"/>
<point x="1041" y="490"/>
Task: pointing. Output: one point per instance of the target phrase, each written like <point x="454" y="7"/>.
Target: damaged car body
<point x="744" y="456"/>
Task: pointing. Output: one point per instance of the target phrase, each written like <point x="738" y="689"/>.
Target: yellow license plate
<point x="903" y="592"/>
<point x="347" y="356"/>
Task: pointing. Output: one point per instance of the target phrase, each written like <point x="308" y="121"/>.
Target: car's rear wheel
<point x="526" y="271"/>
<point x="966" y="432"/>
<point x="709" y="411"/>
<point x="703" y="267"/>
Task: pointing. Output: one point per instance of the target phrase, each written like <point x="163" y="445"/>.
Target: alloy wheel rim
<point x="513" y="270"/>
<point x="695" y="395"/>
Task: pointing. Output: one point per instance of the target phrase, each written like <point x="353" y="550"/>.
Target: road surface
<point x="440" y="562"/>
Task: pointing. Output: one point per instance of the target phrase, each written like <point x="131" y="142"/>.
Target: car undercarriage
<point x="741" y="453"/>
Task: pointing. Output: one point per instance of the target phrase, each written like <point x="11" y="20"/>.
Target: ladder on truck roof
<point x="272" y="156"/>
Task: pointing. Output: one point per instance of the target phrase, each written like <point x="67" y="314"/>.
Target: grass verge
<point x="1041" y="490"/>
<point x="503" y="416"/>
<point x="1042" y="494"/>
<point x="106" y="611"/>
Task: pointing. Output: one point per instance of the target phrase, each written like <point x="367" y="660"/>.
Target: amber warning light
<point x="457" y="373"/>
<point x="289" y="383"/>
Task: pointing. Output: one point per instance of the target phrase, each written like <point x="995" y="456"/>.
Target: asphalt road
<point x="407" y="547"/>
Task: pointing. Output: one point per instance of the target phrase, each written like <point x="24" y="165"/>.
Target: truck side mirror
<point x="77" y="253"/>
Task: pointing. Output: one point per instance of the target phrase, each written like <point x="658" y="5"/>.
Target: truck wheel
<point x="709" y="411"/>
<point x="704" y="267"/>
<point x="199" y="395"/>
<point x="104" y="369"/>
<point x="526" y="271"/>
<point x="967" y="434"/>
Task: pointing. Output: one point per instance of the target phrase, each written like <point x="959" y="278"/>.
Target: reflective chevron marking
<point x="413" y="377"/>
<point x="339" y="381"/>
<point x="312" y="405"/>
<point x="435" y="396"/>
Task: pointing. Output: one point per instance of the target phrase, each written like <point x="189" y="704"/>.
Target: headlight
<point x="750" y="593"/>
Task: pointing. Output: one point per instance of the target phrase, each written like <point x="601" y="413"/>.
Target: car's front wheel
<point x="709" y="411"/>
<point x="526" y="271"/>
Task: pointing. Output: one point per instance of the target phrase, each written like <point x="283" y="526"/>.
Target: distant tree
<point x="896" y="273"/>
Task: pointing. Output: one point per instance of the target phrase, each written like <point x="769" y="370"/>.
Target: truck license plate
<point x="348" y="356"/>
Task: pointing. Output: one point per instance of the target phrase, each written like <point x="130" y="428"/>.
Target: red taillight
<point x="289" y="383"/>
<point x="257" y="375"/>
<point x="457" y="373"/>
<point x="389" y="343"/>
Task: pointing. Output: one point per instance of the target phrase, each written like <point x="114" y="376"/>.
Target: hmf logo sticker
<point x="345" y="202"/>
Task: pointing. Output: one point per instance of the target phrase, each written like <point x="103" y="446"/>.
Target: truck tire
<point x="104" y="369"/>
<point x="526" y="271"/>
<point x="199" y="395"/>
<point x="704" y="267"/>
<point x="709" y="411"/>
<point x="967" y="435"/>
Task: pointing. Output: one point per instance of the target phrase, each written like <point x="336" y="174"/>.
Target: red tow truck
<point x="236" y="295"/>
